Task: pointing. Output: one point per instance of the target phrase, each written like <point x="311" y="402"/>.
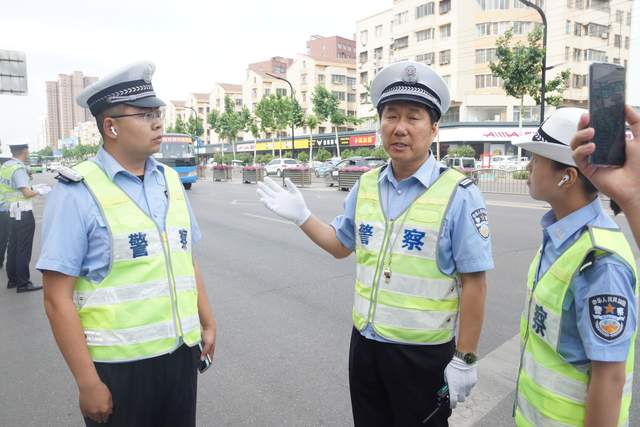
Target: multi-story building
<point x="458" y="40"/>
<point x="200" y="103"/>
<point x="172" y="111"/>
<point x="87" y="133"/>
<point x="216" y="102"/>
<point x="63" y="113"/>
<point x="258" y="83"/>
<point x="334" y="48"/>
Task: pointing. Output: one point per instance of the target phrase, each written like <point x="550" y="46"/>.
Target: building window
<point x="425" y="9"/>
<point x="378" y="30"/>
<point x="530" y="113"/>
<point x="445" y="31"/>
<point x="338" y="79"/>
<point x="493" y="4"/>
<point x="617" y="40"/>
<point x="619" y="16"/>
<point x="303" y="79"/>
<point x="254" y="92"/>
<point x="451" y="116"/>
<point x="517" y="4"/>
<point x="487" y="80"/>
<point x="577" y="55"/>
<point x="445" y="6"/>
<point x="267" y="92"/>
<point x="492" y="28"/>
<point x="427" y="34"/>
<point x="578" y="81"/>
<point x="616" y="61"/>
<point x="351" y="97"/>
<point x="351" y="82"/>
<point x="364" y="57"/>
<point x="400" y="18"/>
<point x="341" y="96"/>
<point x="364" y="77"/>
<point x="597" y="30"/>
<point x="279" y="69"/>
<point x="521" y="27"/>
<point x="626" y="42"/>
<point x="377" y="53"/>
<point x="487" y="114"/>
<point x="320" y="78"/>
<point x="484" y="56"/>
<point x="567" y="53"/>
<point x="238" y="102"/>
<point x="364" y="37"/>
<point x="428" y="58"/>
<point x="567" y="27"/>
<point x="629" y="18"/>
<point x="445" y="57"/>
<point x="401" y="43"/>
<point x="577" y="29"/>
<point x="364" y="99"/>
<point x="579" y="4"/>
<point x="281" y="92"/>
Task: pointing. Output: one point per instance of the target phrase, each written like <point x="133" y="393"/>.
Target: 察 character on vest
<point x="621" y="184"/>
<point x="16" y="212"/>
<point x="123" y="293"/>
<point x="421" y="238"/>
<point x="578" y="325"/>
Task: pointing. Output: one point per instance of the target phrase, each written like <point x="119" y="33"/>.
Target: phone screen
<point x="606" y="108"/>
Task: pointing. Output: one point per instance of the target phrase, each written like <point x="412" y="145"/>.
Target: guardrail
<point x="501" y="181"/>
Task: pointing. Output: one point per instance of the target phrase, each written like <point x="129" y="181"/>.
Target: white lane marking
<point x="245" y="202"/>
<point x="266" y="218"/>
<point x="497" y="373"/>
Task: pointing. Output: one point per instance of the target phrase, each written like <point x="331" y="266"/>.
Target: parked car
<point x="276" y="166"/>
<point x="320" y="170"/>
<point x="331" y="174"/>
<point x="463" y="164"/>
<point x="503" y="162"/>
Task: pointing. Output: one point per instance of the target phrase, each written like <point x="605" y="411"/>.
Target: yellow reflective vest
<point x="147" y="304"/>
<point x="399" y="287"/>
<point x="7" y="193"/>
<point x="552" y="392"/>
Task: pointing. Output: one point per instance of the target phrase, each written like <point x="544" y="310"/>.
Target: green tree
<point x="312" y="122"/>
<point x="194" y="127"/>
<point x="179" y="126"/>
<point x="462" y="151"/>
<point x="520" y="68"/>
<point x="379" y="152"/>
<point x="284" y="112"/>
<point x="348" y="153"/>
<point x="45" y="152"/>
<point x="325" y="107"/>
<point x="266" y="112"/>
<point x="303" y="157"/>
<point x="323" y="155"/>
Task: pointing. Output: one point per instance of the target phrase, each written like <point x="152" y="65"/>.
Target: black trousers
<point x="4" y="234"/>
<point x="396" y="384"/>
<point x="156" y="392"/>
<point x="19" y="252"/>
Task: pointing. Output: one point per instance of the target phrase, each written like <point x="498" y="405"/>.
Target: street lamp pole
<point x="293" y="100"/>
<point x="544" y="58"/>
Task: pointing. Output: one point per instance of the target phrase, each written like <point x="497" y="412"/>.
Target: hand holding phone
<point x="606" y="111"/>
<point x="205" y="363"/>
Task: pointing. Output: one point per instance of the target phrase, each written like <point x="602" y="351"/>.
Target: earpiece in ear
<point x="113" y="131"/>
<point x="563" y="181"/>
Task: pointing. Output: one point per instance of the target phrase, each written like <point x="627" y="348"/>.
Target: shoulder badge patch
<point x="608" y="315"/>
<point x="465" y="183"/>
<point x="480" y="219"/>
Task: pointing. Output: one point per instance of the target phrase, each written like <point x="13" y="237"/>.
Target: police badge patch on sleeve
<point x="608" y="315"/>
<point x="481" y="221"/>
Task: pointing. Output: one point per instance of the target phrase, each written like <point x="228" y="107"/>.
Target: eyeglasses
<point x="148" y="116"/>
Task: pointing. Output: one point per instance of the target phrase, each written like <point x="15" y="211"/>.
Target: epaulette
<point x="465" y="183"/>
<point x="442" y="170"/>
<point x="68" y="176"/>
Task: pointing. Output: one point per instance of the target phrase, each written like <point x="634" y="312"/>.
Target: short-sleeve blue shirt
<point x="461" y="246"/>
<point x="19" y="179"/>
<point x="75" y="238"/>
<point x="609" y="275"/>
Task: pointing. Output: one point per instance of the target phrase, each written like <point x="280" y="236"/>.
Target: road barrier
<point x="301" y="177"/>
<point x="501" y="181"/>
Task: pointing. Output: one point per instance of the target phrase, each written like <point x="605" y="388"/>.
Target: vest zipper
<point x="379" y="267"/>
<point x="172" y="283"/>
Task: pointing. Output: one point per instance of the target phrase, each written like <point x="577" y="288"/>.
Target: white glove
<point x="461" y="378"/>
<point x="288" y="204"/>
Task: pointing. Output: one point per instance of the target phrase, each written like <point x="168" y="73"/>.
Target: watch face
<point x="470" y="358"/>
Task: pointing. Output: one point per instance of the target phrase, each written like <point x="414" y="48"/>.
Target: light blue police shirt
<point x="19" y="179"/>
<point x="75" y="239"/>
<point x="461" y="247"/>
<point x="609" y="275"/>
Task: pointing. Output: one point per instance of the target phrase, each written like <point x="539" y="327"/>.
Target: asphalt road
<point x="283" y="308"/>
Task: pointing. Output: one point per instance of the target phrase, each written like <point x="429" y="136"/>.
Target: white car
<point x="276" y="166"/>
<point x="503" y="162"/>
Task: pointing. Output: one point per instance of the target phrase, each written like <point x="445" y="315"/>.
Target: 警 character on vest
<point x="578" y="326"/>
<point x="420" y="233"/>
<point x="123" y="293"/>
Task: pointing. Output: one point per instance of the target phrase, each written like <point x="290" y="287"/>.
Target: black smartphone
<point x="204" y="364"/>
<point x="606" y="109"/>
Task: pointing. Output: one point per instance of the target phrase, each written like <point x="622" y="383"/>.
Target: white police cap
<point x="129" y="85"/>
<point x="410" y="81"/>
<point x="553" y="139"/>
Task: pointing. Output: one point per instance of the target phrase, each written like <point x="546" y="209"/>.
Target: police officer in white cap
<point x="579" y="324"/>
<point x="421" y="236"/>
<point x="124" y="296"/>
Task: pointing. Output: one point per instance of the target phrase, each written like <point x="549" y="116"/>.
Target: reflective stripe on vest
<point x="551" y="391"/>
<point x="147" y="303"/>
<point x="417" y="303"/>
<point x="7" y="193"/>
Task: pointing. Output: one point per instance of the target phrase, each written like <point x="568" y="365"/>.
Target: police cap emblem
<point x="410" y="75"/>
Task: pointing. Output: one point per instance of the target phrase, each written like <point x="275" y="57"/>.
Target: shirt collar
<point x="20" y="162"/>
<point x="423" y="174"/>
<point x="112" y="167"/>
<point x="560" y="231"/>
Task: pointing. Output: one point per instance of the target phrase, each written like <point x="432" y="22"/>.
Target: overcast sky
<point x="193" y="43"/>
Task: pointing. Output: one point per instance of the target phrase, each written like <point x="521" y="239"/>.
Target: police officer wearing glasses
<point x="124" y="296"/>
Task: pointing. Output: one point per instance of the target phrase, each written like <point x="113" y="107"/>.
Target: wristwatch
<point x="469" y="358"/>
